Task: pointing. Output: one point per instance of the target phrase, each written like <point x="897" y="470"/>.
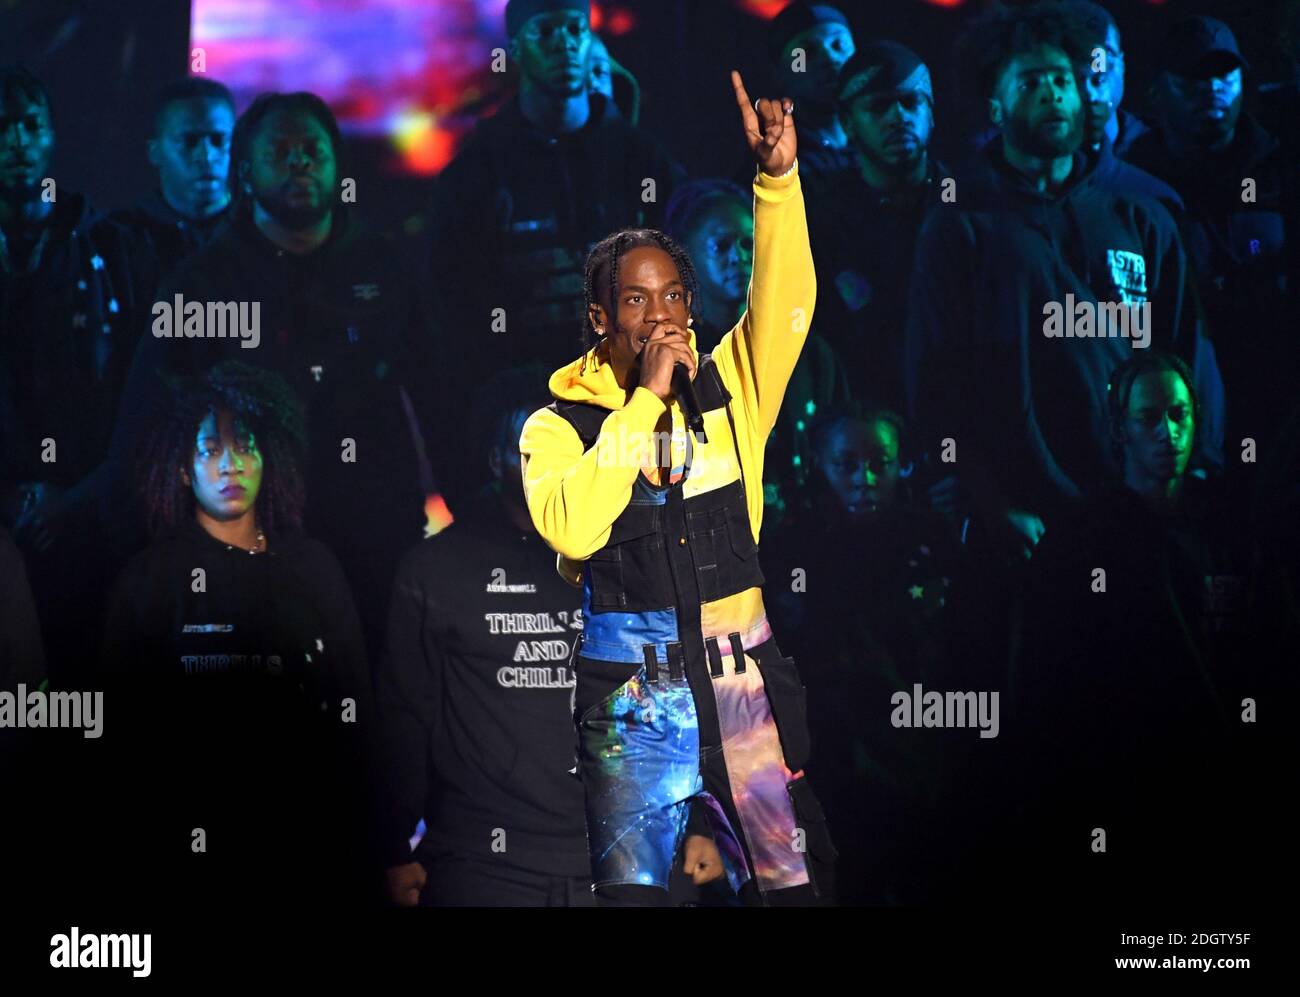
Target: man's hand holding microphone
<point x="664" y="348"/>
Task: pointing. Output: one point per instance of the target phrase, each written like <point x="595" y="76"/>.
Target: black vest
<point x="666" y="551"/>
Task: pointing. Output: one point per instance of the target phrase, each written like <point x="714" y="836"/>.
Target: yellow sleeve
<point x="757" y="357"/>
<point x="574" y="497"/>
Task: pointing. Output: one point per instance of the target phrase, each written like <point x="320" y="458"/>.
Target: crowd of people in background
<point x="1043" y="440"/>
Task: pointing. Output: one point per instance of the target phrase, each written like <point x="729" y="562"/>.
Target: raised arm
<point x="757" y="357"/>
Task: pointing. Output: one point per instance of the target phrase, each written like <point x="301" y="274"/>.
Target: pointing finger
<point x="748" y="117"/>
<point x="742" y="95"/>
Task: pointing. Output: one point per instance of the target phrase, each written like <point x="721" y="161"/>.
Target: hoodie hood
<point x="994" y="177"/>
<point x="1057" y="214"/>
<point x="590" y="379"/>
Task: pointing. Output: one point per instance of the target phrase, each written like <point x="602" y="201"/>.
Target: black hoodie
<point x="1029" y="409"/>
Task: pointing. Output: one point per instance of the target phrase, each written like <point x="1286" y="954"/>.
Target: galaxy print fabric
<point x="640" y="762"/>
<point x="758" y="775"/>
<point x="640" y="754"/>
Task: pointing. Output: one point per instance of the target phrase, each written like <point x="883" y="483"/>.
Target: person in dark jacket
<point x="233" y="643"/>
<point x="713" y="220"/>
<point x="67" y="329"/>
<point x="328" y="307"/>
<point x="1103" y="82"/>
<point x="1139" y="654"/>
<point x="612" y="80"/>
<point x="1240" y="191"/>
<point x="1030" y="288"/>
<point x="513" y="215"/>
<point x="861" y="578"/>
<point x="190" y="147"/>
<point x="474" y="688"/>
<point x="809" y="44"/>
<point x="1109" y="130"/>
<point x="863" y="222"/>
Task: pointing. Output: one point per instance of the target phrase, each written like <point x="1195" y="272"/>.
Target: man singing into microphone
<point x="691" y="727"/>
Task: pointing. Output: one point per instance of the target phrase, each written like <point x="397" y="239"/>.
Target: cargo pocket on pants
<point x="819" y="850"/>
<point x="789" y="702"/>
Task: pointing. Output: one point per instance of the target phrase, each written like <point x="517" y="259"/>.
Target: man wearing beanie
<point x="1103" y="82"/>
<point x="512" y="216"/>
<point x="808" y="43"/>
<point x="886" y="107"/>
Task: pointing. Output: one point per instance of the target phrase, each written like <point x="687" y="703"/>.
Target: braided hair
<point x="1119" y="390"/>
<point x="600" y="276"/>
<point x="265" y="404"/>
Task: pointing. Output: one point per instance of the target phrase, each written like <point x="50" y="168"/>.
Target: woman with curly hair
<point x="239" y="643"/>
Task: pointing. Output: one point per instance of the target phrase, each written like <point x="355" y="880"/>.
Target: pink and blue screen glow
<point x="413" y="73"/>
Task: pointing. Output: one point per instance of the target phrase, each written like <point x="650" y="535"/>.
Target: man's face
<point x="892" y="130"/>
<point x="721" y="243"/>
<point x="226" y="473"/>
<point x="1103" y="82"/>
<point x="1037" y="104"/>
<point x="1158" y="426"/>
<point x="600" y="78"/>
<point x="553" y="52"/>
<point x="860" y="463"/>
<point x="292" y="169"/>
<point x="192" y="153"/>
<point x="650" y="291"/>
<point x="26" y="143"/>
<point x="827" y="47"/>
<point x="1202" y="109"/>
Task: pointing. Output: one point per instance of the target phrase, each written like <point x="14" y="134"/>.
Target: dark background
<point x="102" y="61"/>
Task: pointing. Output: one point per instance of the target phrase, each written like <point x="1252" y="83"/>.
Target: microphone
<point x="684" y="389"/>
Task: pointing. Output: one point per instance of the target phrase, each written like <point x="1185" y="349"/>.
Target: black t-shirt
<point x="238" y="696"/>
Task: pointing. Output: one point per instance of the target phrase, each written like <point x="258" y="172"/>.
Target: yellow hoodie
<point x="574" y="497"/>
